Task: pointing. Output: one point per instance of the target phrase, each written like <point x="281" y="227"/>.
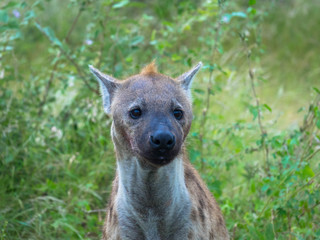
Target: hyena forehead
<point x="155" y="89"/>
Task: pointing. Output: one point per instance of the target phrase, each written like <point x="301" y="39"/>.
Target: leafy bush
<point x="257" y="154"/>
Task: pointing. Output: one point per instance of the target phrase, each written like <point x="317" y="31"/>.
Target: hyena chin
<point x="157" y="194"/>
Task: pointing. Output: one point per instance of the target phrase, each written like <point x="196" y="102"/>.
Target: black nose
<point x="162" y="141"/>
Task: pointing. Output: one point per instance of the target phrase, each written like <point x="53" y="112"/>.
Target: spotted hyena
<point x="157" y="194"/>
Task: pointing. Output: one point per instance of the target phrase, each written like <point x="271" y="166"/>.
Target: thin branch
<point x="309" y="125"/>
<point x="234" y="229"/>
<point x="96" y="210"/>
<point x="74" y="23"/>
<point x="258" y="106"/>
<point x="252" y="80"/>
<point x="5" y="113"/>
<point x="314" y="206"/>
<point x="289" y="225"/>
<point x="45" y="96"/>
<point x="311" y="181"/>
<point x="102" y="41"/>
<point x="79" y="70"/>
<point x="209" y="87"/>
<point x="313" y="154"/>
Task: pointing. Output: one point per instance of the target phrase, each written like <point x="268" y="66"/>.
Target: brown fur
<point x="149" y="69"/>
<point x="155" y="94"/>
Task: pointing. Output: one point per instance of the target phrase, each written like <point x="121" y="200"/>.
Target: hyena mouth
<point x="162" y="161"/>
<point x="158" y="158"/>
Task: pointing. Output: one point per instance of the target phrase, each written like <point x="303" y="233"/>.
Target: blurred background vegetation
<point x="255" y="135"/>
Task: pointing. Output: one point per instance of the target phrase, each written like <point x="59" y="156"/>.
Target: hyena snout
<point x="160" y="144"/>
<point x="162" y="141"/>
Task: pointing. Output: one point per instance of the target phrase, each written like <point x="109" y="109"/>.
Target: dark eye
<point x="178" y="114"/>
<point x="135" y="113"/>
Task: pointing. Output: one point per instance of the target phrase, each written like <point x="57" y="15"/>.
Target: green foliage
<point x="251" y="144"/>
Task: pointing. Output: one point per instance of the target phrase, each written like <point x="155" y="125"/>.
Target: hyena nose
<point x="162" y="141"/>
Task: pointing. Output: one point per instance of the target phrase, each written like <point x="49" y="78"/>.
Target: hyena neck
<point x="152" y="203"/>
<point x="154" y="186"/>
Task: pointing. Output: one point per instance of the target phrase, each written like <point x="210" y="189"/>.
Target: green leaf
<point x="147" y="17"/>
<point x="10" y="5"/>
<point x="24" y="223"/>
<point x="216" y="143"/>
<point x="227" y="17"/>
<point x="198" y="90"/>
<point x="4" y="18"/>
<point x="301" y="109"/>
<point x="30" y="14"/>
<point x="253" y="187"/>
<point x="267" y="107"/>
<point x="251" y="11"/>
<point x="121" y="4"/>
<point x="252" y="2"/>
<point x="13" y="25"/>
<point x="254" y="111"/>
<point x="265" y="188"/>
<point x="176" y="57"/>
<point x="318" y="123"/>
<point x="239" y="14"/>
<point x="307" y="172"/>
<point x="154" y="42"/>
<point x="210" y="67"/>
<point x="50" y="34"/>
<point x="136" y="40"/>
<point x="9" y="158"/>
<point x="153" y="35"/>
<point x="316" y="89"/>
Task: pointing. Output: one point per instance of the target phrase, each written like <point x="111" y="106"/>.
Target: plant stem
<point x="209" y="88"/>
<point x="45" y="96"/>
<point x="258" y="106"/>
<point x="74" y="23"/>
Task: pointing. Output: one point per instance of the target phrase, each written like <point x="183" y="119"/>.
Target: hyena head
<point x="151" y="113"/>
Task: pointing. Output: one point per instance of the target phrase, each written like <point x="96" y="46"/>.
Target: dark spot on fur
<point x="211" y="235"/>
<point x="201" y="213"/>
<point x="220" y="221"/>
<point x="202" y="203"/>
<point x="200" y="187"/>
<point x="111" y="212"/>
<point x="194" y="215"/>
<point x="188" y="174"/>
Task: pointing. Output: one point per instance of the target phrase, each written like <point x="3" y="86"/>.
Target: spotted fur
<point x="149" y="200"/>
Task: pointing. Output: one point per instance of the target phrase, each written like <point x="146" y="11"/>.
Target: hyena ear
<point x="186" y="78"/>
<point x="108" y="86"/>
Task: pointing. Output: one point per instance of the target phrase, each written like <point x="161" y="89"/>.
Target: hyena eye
<point x="135" y="113"/>
<point x="178" y="114"/>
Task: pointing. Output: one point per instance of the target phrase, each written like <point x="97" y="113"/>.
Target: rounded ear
<point x="186" y="78"/>
<point x="108" y="86"/>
